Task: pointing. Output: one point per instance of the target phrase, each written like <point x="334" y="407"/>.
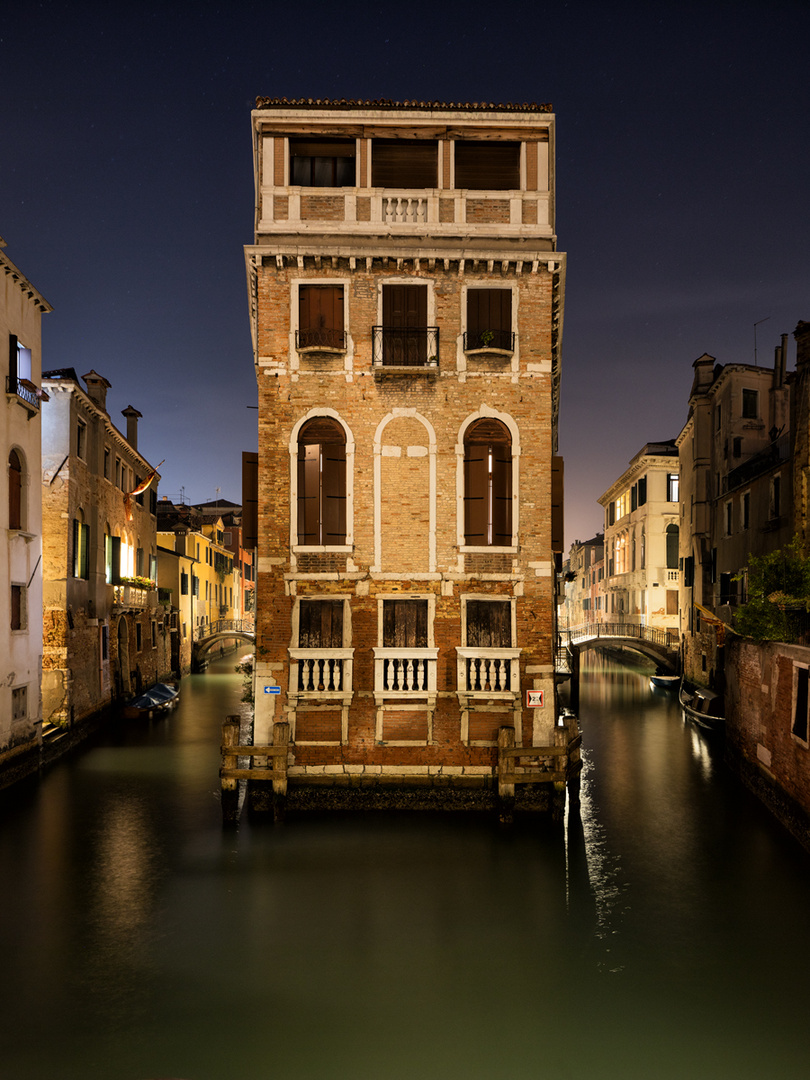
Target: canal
<point x="662" y="933"/>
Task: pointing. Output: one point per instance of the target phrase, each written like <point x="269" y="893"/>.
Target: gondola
<point x="160" y="699"/>
<point x="703" y="706"/>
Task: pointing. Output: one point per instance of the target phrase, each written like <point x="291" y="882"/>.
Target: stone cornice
<point x="23" y="283"/>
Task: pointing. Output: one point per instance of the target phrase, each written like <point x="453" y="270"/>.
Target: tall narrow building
<point x="406" y="304"/>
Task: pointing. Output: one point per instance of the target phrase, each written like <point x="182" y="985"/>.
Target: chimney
<point x="704" y="374"/>
<point x="133" y="416"/>
<point x="97" y="387"/>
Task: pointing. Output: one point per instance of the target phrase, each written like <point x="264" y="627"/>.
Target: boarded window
<point x="405" y="624"/>
<point x="489" y="624"/>
<point x="488" y="484"/>
<point x="404" y="163"/>
<point x="489" y="319"/>
<point x="322" y="162"/>
<point x="14" y="490"/>
<point x="799" y="728"/>
<point x="320" y="624"/>
<point x="487" y="166"/>
<point x="322" y="483"/>
<point x="320" y="317"/>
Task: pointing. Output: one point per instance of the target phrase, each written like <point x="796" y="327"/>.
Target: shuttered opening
<point x="488" y="485"/>
<point x="404" y="329"/>
<point x="320" y="316"/>
<point x="405" y="624"/>
<point x="489" y="624"/>
<point x="489" y="319"/>
<point x="320" y="624"/>
<point x="322" y="483"/>
<point x="485" y="166"/>
<point x="404" y="163"/>
<point x="322" y="162"/>
<point x="14" y="491"/>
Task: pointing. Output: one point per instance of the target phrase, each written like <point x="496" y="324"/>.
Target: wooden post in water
<point x="506" y="765"/>
<point x="229" y="786"/>
<point x="281" y="738"/>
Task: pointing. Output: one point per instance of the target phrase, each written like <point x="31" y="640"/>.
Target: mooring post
<point x="506" y="765"/>
<point x="281" y="739"/>
<point x="229" y="785"/>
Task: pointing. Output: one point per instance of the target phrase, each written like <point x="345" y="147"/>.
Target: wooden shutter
<point x="321" y="483"/>
<point x="308" y="493"/>
<point x="16" y="607"/>
<point x="12" y="357"/>
<point x="487" y="166"/>
<point x="489" y="309"/>
<point x="14" y="491"/>
<point x="320" y="624"/>
<point x="333" y="493"/>
<point x="557" y="504"/>
<point x="488" y="491"/>
<point x="404" y="163"/>
<point x="476" y="485"/>
<point x="320" y="315"/>
<point x="405" y="624"/>
<point x="405" y="324"/>
<point x="489" y="624"/>
<point x="501" y="495"/>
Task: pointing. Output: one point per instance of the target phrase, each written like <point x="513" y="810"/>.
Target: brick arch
<point x="314" y="414"/>
<point x="405" y="493"/>
<point x="486" y="412"/>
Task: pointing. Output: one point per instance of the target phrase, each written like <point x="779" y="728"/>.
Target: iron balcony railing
<point x="502" y="340"/>
<point x="405" y="346"/>
<point x="321" y="338"/>
<point x="24" y="389"/>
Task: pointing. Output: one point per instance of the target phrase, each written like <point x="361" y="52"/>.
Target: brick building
<point x="406" y="303"/>
<point x="21" y="311"/>
<point x="104" y="634"/>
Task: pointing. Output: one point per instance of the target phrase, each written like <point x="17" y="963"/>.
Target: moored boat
<point x="663" y="680"/>
<point x="703" y="706"/>
<point x="159" y="699"/>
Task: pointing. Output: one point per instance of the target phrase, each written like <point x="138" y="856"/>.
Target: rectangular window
<point x="404" y="163"/>
<point x="801" y="699"/>
<point x="672" y="487"/>
<point x="322" y="162"/>
<point x="672" y="601"/>
<point x="489" y="624"/>
<point x="183" y="583"/>
<point x="139" y="562"/>
<point x="81" y="439"/>
<point x="717" y="417"/>
<point x="107" y="464"/>
<point x="750" y="404"/>
<point x="745" y="509"/>
<point x="320" y="624"/>
<point x="81" y="550"/>
<point x="489" y="320"/>
<point x="105" y="642"/>
<point x="775" y="502"/>
<point x="320" y="317"/>
<point x="737" y="447"/>
<point x="642" y="490"/>
<point x="728" y="589"/>
<point x="729" y="519"/>
<point x="405" y="339"/>
<point x="138" y="637"/>
<point x="612" y="513"/>
<point x="487" y="166"/>
<point x="634" y="498"/>
<point x="154" y="634"/>
<point x="19" y="703"/>
<point x="689" y="571"/>
<point x="405" y="624"/>
<point x="19" y="607"/>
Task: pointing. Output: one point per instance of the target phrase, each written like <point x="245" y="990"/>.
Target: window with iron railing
<point x="320" y="318"/>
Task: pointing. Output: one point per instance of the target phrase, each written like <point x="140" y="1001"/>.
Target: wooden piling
<point x="228" y="783"/>
<point x="506" y="790"/>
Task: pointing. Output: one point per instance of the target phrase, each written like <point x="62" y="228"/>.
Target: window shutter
<point x="308" y="493"/>
<point x="404" y="163"/>
<point x="116" y="560"/>
<point x="476" y="483"/>
<point x="501" y="495"/>
<point x="14" y="491"/>
<point x="12" y="356"/>
<point x="320" y="624"/>
<point x="405" y="624"/>
<point x="487" y="166"/>
<point x="334" y="493"/>
<point x="489" y="624"/>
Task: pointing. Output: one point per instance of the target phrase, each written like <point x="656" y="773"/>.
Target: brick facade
<point x="363" y="712"/>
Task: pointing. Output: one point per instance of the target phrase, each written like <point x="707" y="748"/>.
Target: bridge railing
<point x="665" y="638"/>
<point x="207" y="630"/>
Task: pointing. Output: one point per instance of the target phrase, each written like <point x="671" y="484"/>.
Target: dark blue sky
<point x="683" y="192"/>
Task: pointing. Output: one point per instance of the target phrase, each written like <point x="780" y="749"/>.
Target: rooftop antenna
<point x="756" y="324"/>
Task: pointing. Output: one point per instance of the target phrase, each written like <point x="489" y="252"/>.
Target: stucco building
<point x="642" y="516"/>
<point x="102" y="624"/>
<point x="736" y="494"/>
<point x="21" y="310"/>
<point x="406" y="303"/>
<point x="584" y="574"/>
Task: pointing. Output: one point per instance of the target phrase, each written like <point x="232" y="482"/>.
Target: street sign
<point x="272" y="689"/>
<point x="534" y="699"/>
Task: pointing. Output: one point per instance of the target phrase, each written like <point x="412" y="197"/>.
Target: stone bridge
<point x="662" y="646"/>
<point x="206" y="637"/>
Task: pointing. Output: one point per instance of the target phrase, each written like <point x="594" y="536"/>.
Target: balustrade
<point x="321" y="671"/>
<point x="488" y="671"/>
<point x="405" y="672"/>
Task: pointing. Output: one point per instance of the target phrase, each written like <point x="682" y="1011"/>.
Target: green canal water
<point x="662" y="933"/>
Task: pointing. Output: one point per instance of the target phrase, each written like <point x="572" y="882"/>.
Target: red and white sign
<point x="534" y="699"/>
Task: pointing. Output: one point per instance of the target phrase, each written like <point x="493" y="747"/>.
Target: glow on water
<point x="659" y="933"/>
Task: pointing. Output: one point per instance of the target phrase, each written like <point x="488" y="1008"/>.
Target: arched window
<point x="488" y="484"/>
<point x="672" y="547"/>
<point x="15" y="490"/>
<point x="322" y="483"/>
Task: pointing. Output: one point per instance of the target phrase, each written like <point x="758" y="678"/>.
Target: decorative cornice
<point x="386" y="103"/>
<point x="23" y="283"/>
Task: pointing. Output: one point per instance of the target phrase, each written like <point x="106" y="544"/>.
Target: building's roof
<point x="385" y="103"/>
<point x="67" y="373"/>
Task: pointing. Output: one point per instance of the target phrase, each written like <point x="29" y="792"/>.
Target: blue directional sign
<point x="272" y="689"/>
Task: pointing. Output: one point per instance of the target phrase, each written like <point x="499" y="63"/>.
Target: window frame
<point x="796" y="702"/>
<point x="510" y="499"/>
<point x="17" y="484"/>
<point x="18" y="614"/>
<point x="499" y="345"/>
<point x="348" y="544"/>
<point x="749" y="398"/>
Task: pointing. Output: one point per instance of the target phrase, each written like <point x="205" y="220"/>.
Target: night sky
<point x="683" y="194"/>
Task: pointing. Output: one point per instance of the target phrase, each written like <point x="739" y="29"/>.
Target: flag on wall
<point x="139" y="490"/>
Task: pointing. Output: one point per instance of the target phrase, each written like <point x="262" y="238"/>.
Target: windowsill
<point x="315" y="350"/>
<point x="504" y="354"/>
<point x="466" y="549"/>
<point x="27" y="536"/>
<point x="325" y="549"/>
<point x="402" y="742"/>
<point x="382" y="371"/>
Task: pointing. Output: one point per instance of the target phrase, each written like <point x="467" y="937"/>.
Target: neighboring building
<point x="21" y="311"/>
<point x="176" y="580"/>
<point x="102" y="639"/>
<point x="736" y="494"/>
<point x="641" y="540"/>
<point x="406" y="301"/>
<point x="584" y="574"/>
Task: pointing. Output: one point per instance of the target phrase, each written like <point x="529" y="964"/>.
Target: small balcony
<point x="320" y="340"/>
<point x="27" y="394"/>
<point x="132" y="598"/>
<point x="405" y="673"/>
<point x="321" y="673"/>
<point x="405" y="348"/>
<point x="488" y="673"/>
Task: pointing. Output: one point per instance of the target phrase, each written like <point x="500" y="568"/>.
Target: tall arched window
<point x="15" y="505"/>
<point x="488" y="484"/>
<point x="322" y="483"/>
